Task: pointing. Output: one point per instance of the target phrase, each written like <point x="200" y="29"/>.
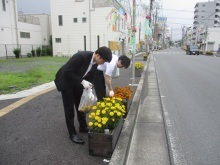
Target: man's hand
<point x="86" y="84"/>
<point x="111" y="93"/>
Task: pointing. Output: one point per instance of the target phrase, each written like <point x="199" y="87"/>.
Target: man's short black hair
<point x="105" y="53"/>
<point x="125" y="61"/>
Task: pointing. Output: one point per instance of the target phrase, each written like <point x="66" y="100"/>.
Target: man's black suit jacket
<point x="71" y="74"/>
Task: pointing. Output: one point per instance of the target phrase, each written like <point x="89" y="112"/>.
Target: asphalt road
<point x="190" y="93"/>
<point x="35" y="133"/>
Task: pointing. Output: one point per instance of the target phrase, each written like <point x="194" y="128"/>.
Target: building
<point x="206" y="15"/>
<point x="87" y="25"/>
<point x="211" y="41"/>
<point x="22" y="31"/>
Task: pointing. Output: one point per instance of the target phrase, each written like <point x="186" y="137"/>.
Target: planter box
<point x="138" y="72"/>
<point x="101" y="144"/>
<point x="127" y="105"/>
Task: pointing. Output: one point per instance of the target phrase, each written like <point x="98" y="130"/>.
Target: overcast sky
<point x="179" y="13"/>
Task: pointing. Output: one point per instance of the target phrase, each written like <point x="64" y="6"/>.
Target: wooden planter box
<point x="138" y="72"/>
<point x="126" y="104"/>
<point x="101" y="144"/>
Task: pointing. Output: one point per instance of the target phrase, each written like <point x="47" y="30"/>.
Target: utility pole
<point x="134" y="43"/>
<point x="151" y="7"/>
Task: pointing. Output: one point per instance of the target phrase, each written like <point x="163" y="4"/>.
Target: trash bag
<point x="87" y="100"/>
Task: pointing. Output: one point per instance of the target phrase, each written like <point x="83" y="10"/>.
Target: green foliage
<point x="48" y="51"/>
<point x="28" y="72"/>
<point x="29" y="54"/>
<point x="17" y="52"/>
<point x="43" y="52"/>
<point x="38" y="51"/>
<point x="33" y="52"/>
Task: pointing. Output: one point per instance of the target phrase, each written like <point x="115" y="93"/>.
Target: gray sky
<point x="179" y="13"/>
<point x="34" y="6"/>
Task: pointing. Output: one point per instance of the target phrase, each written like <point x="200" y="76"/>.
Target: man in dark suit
<point x="76" y="74"/>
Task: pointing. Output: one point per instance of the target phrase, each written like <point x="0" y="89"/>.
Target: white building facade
<point x="19" y="31"/>
<point x="87" y="25"/>
<point x="211" y="40"/>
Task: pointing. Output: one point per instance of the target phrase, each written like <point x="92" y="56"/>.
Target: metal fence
<point x="6" y="50"/>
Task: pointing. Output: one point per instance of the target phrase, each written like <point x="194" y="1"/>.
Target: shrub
<point x="48" y="51"/>
<point x="38" y="51"/>
<point x="17" y="52"/>
<point x="43" y="52"/>
<point x="33" y="52"/>
<point x="29" y="54"/>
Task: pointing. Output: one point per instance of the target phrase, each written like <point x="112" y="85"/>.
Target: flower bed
<point x="106" y="114"/>
<point x="123" y="92"/>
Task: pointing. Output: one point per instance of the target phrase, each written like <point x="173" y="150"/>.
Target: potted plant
<point x="145" y="57"/>
<point x="105" y="121"/>
<point x="138" y="68"/>
<point x="17" y="52"/>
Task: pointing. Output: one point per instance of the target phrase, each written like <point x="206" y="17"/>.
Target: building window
<point x="84" y="19"/>
<point x="75" y="20"/>
<point x="3" y="5"/>
<point x="25" y="35"/>
<point x="60" y="20"/>
<point x="58" y="40"/>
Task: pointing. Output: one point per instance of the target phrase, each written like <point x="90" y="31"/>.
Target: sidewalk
<point x="143" y="137"/>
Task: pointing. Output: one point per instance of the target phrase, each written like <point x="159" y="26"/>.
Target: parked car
<point x="192" y="49"/>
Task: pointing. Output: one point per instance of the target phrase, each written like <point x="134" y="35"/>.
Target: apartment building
<point x="206" y="15"/>
<point x="87" y="25"/>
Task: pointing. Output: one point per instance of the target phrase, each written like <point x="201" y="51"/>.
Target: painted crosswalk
<point x="168" y="52"/>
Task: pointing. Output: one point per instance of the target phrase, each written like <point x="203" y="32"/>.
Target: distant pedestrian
<point x="104" y="75"/>
<point x="76" y="74"/>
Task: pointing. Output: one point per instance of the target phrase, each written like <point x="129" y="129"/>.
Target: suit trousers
<point x="100" y="87"/>
<point x="71" y="99"/>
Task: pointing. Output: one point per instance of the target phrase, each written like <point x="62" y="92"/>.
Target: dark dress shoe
<point x="84" y="129"/>
<point x="76" y="139"/>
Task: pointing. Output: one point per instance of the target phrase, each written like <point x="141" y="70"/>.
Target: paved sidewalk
<point x="143" y="137"/>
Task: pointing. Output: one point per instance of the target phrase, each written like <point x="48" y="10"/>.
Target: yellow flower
<point x="111" y="113"/>
<point x="103" y="112"/>
<point x="90" y="124"/>
<point x="94" y="107"/>
<point x="96" y="118"/>
<point x="92" y="114"/>
<point x="103" y="122"/>
<point x="99" y="125"/>
<point x="119" y="113"/>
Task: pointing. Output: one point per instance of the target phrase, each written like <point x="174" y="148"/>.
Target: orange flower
<point x="123" y="92"/>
